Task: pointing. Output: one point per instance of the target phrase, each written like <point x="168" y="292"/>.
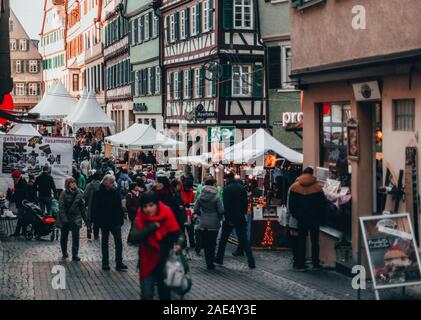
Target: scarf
<point x="150" y="249"/>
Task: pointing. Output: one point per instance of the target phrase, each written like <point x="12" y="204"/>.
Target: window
<point x="75" y="82"/>
<point x="197" y="83"/>
<point x="183" y="24"/>
<point x="187" y="84"/>
<point x="18" y="66"/>
<point x="206" y="15"/>
<point x="33" y="89"/>
<point x="286" y="68"/>
<point x="172" y="28"/>
<point x="241" y="82"/>
<point x="155" y="26"/>
<point x="20" y="89"/>
<point x="23" y="45"/>
<point x="333" y="131"/>
<point x="176" y="81"/>
<point x="243" y="14"/>
<point x="147" y="26"/>
<point x="194" y="30"/>
<point x="404" y="115"/>
<point x="13" y="44"/>
<point x="157" y="80"/>
<point x="10" y="25"/>
<point x="33" y="66"/>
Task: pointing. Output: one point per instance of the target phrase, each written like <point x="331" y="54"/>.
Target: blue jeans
<point x="147" y="288"/>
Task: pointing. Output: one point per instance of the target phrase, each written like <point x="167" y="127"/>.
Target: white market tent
<point x="56" y="104"/>
<point x="139" y="137"/>
<point x="24" y="129"/>
<point x="69" y="119"/>
<point x="89" y="114"/>
<point x="255" y="146"/>
<point x="249" y="150"/>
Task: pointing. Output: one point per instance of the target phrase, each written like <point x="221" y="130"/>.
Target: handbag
<point x="133" y="233"/>
<point x="176" y="278"/>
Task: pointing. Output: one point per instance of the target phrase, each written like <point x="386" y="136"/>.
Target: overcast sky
<point x="29" y="13"/>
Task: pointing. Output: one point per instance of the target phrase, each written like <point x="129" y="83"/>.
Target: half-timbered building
<point x="213" y="59"/>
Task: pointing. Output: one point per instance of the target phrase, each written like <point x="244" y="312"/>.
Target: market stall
<point x="24" y="129"/>
<point x="89" y="114"/>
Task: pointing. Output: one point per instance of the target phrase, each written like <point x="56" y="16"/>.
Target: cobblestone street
<point x="26" y="273"/>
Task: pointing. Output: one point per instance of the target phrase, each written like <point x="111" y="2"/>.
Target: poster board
<point x="391" y="250"/>
<point x="30" y="154"/>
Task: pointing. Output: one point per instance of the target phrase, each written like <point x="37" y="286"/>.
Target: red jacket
<point x="187" y="196"/>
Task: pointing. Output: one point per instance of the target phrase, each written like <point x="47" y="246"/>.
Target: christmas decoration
<point x="268" y="237"/>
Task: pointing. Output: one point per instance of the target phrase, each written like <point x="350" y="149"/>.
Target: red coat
<point x="187" y="196"/>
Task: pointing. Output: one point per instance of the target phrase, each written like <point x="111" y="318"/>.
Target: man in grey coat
<point x="210" y="208"/>
<point x="71" y="214"/>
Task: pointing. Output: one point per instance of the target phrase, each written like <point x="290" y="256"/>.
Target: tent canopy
<point x="56" y="104"/>
<point x="255" y="146"/>
<point x="140" y="137"/>
<point x="89" y="114"/>
<point x="24" y="129"/>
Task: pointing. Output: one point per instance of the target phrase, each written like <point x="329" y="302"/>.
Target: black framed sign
<point x="391" y="250"/>
<point x="353" y="140"/>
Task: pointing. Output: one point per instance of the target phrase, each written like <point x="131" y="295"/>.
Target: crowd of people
<point x="167" y="214"/>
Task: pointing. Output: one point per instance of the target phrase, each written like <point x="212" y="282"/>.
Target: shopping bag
<point x="176" y="277"/>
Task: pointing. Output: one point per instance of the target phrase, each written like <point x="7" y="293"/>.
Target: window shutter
<point x="172" y="85"/>
<point x="153" y="81"/>
<point x="187" y="22"/>
<point x="151" y="22"/>
<point x="139" y="83"/>
<point x="26" y="64"/>
<point x="130" y="33"/>
<point x="180" y="84"/>
<point x="133" y="84"/>
<point x="136" y="32"/>
<point x="258" y="81"/>
<point x="274" y="67"/>
<point x="226" y="80"/>
<point x="39" y="89"/>
<point x="191" y="86"/>
<point x="211" y="15"/>
<point x="167" y="29"/>
<point x="214" y="70"/>
<point x="176" y="26"/>
<point x="142" y="29"/>
<point x="202" y="82"/>
<point x="228" y="14"/>
<point x="147" y="81"/>
<point x="199" y="17"/>
<point x="39" y="66"/>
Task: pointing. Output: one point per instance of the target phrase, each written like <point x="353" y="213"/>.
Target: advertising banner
<point x="391" y="250"/>
<point x="30" y="154"/>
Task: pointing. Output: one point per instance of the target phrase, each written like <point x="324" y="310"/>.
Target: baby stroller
<point x="36" y="223"/>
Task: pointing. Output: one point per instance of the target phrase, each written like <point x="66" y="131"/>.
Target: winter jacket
<point x="72" y="208"/>
<point x="307" y="201"/>
<point x="123" y="184"/>
<point x="107" y="210"/>
<point x="91" y="188"/>
<point x="173" y="201"/>
<point x="85" y="166"/>
<point x="132" y="204"/>
<point x="20" y="193"/>
<point x="81" y="181"/>
<point x="235" y="203"/>
<point x="199" y="190"/>
<point x="210" y="208"/>
<point x="45" y="185"/>
<point x="32" y="192"/>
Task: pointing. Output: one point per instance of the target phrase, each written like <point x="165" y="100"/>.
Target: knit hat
<point x="16" y="174"/>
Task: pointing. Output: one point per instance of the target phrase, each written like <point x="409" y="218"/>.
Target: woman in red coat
<point x="157" y="232"/>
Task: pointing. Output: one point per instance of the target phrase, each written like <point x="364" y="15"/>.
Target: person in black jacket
<point x="46" y="188"/>
<point x="307" y="204"/>
<point x="235" y="209"/>
<point x="107" y="213"/>
<point x="20" y="194"/>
